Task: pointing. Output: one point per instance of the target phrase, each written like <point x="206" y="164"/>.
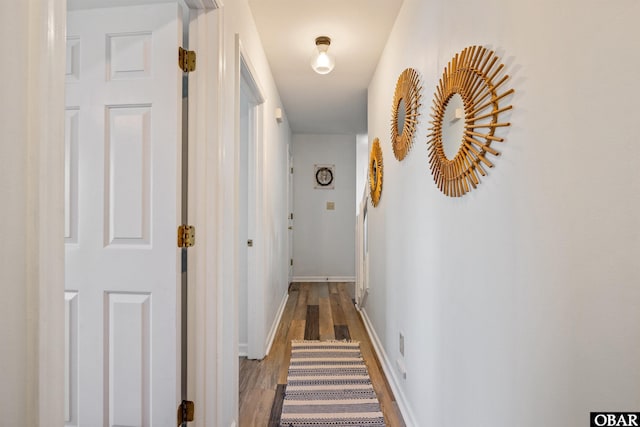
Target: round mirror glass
<point x="453" y="126"/>
<point x="402" y="113"/>
<point x="374" y="172"/>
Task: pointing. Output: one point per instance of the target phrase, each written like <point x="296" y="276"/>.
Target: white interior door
<point x="123" y="158"/>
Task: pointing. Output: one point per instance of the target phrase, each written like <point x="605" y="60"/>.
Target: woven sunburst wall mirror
<point x="404" y="112"/>
<point x="474" y="79"/>
<point x="375" y="172"/>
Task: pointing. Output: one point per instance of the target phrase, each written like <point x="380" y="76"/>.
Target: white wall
<point x="236" y="19"/>
<point x="519" y="301"/>
<point x="323" y="240"/>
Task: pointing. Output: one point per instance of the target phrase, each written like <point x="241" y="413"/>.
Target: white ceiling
<point x="335" y="102"/>
<point x="331" y="103"/>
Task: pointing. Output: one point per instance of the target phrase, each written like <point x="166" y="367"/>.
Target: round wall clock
<point x="404" y="112"/>
<point x="458" y="155"/>
<point x="324" y="176"/>
<point x="375" y="172"/>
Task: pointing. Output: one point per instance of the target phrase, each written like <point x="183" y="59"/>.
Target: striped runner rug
<point x="328" y="385"/>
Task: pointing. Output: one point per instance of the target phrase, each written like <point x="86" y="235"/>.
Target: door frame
<point x="362" y="250"/>
<point x="290" y="220"/>
<point x="47" y="26"/>
<point x="205" y="184"/>
<point x="245" y="72"/>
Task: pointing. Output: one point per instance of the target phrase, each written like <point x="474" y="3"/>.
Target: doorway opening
<point x="250" y="322"/>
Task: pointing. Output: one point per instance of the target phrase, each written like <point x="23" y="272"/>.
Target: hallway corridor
<point x="314" y="311"/>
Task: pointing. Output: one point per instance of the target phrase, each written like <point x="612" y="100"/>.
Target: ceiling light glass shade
<point x="321" y="61"/>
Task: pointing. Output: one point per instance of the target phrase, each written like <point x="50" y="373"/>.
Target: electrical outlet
<point x="401" y="344"/>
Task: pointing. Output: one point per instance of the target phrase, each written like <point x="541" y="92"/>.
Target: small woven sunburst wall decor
<point x="475" y="74"/>
<point x="375" y="172"/>
<point x="404" y="112"/>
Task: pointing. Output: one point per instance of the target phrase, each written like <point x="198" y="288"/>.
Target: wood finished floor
<point x="314" y="311"/>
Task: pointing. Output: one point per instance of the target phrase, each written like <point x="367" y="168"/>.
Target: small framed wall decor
<point x="324" y="176"/>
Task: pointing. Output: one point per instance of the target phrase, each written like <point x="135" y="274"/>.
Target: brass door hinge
<point x="186" y="236"/>
<point x="186" y="60"/>
<point x="185" y="412"/>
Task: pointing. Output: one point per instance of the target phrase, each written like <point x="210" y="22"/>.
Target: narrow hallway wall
<point x="324" y="236"/>
<point x="271" y="201"/>
<point x="519" y="301"/>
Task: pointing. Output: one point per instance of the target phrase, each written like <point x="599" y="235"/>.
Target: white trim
<point x="323" y="279"/>
<point x="45" y="27"/>
<point x="201" y="4"/>
<point x="204" y="340"/>
<point x="363" y="300"/>
<point x="242" y="349"/>
<point x="276" y="322"/>
<point x="290" y="210"/>
<point x="362" y="256"/>
<point x="217" y="200"/>
<point x="248" y="73"/>
<point x="389" y="371"/>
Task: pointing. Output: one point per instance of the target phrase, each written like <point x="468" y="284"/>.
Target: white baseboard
<point x="243" y="349"/>
<point x="323" y="279"/>
<point x="276" y="322"/>
<point x="389" y="371"/>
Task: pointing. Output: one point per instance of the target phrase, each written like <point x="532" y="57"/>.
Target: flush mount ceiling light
<point x="321" y="61"/>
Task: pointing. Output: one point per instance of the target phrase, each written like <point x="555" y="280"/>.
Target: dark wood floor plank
<point x="312" y="323"/>
<point x="342" y="332"/>
<point x="276" y="408"/>
<point x="336" y="309"/>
